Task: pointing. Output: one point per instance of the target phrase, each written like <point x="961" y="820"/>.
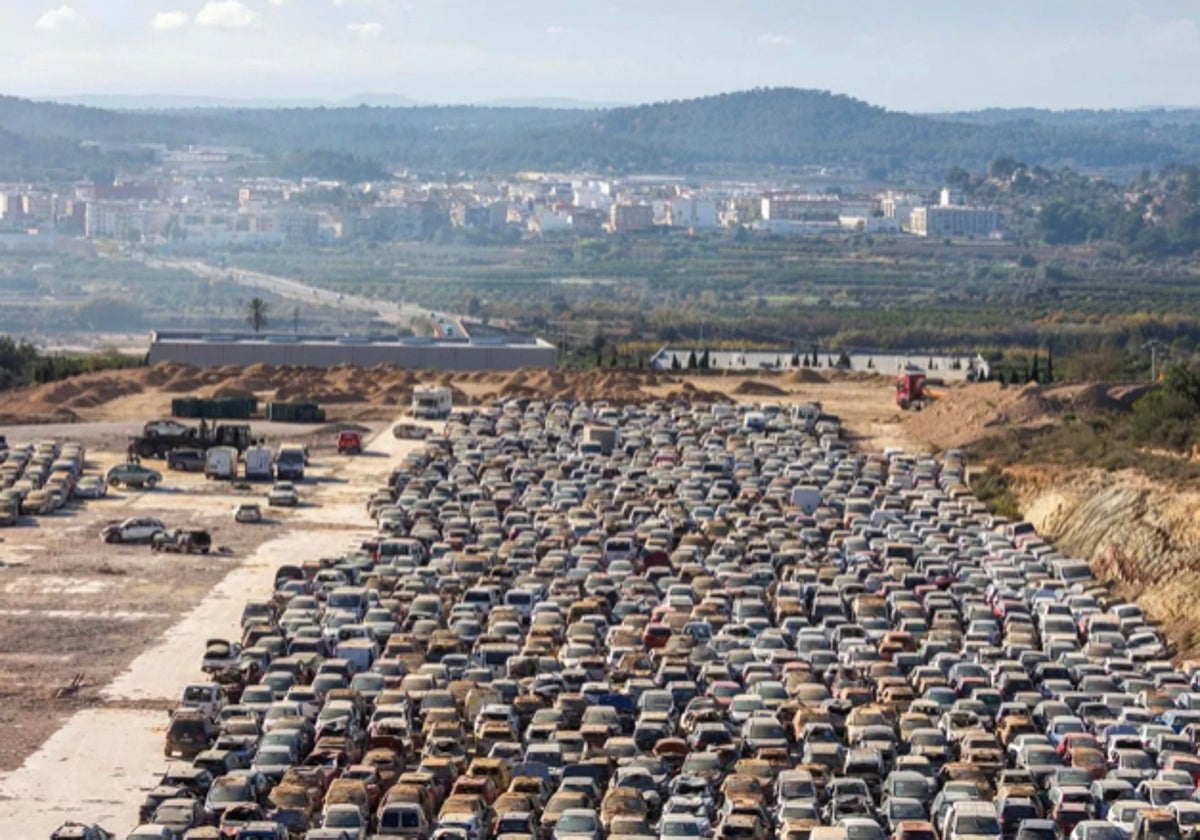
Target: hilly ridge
<point x="749" y="131"/>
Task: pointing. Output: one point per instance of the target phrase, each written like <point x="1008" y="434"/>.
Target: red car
<point x="349" y="443"/>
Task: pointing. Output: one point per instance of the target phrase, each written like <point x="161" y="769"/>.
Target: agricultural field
<point x="855" y="291"/>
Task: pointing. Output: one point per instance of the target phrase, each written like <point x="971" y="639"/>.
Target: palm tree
<point x="256" y="313"/>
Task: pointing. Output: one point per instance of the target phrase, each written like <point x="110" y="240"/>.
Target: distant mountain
<point x="168" y="102"/>
<point x="555" y="102"/>
<point x="1122" y="118"/>
<point x="752" y="131"/>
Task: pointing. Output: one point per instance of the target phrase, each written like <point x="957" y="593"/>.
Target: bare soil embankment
<point x="1140" y="534"/>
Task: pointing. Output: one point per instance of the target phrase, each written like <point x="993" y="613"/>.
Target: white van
<point x="290" y="461"/>
<point x="260" y="464"/>
<point x="221" y="463"/>
<point x="807" y="498"/>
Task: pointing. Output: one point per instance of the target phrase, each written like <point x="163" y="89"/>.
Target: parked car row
<point x="38" y="479"/>
<point x="687" y="622"/>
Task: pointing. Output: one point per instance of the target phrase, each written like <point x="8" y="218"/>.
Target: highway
<point x="399" y="314"/>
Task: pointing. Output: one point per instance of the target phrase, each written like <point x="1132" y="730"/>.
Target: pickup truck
<point x="182" y="541"/>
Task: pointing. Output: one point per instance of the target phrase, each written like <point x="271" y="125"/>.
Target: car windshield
<point x="863" y="831"/>
<point x="901" y="810"/>
<point x="680" y="828"/>
<point x="225" y="793"/>
<point x="1104" y="832"/>
<point x="576" y="823"/>
<point x="174" y="813"/>
<point x="977" y="825"/>
<point x="343" y="818"/>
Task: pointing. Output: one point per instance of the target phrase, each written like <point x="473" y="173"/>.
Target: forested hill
<point x="746" y="132"/>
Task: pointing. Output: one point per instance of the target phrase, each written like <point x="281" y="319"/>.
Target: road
<point x="96" y="767"/>
<point x="399" y="314"/>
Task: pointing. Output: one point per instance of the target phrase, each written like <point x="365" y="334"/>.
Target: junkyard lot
<point x="70" y="604"/>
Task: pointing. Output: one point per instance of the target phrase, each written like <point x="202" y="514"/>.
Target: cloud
<point x="772" y="39"/>
<point x="164" y="21"/>
<point x="366" y="31"/>
<point x="555" y="30"/>
<point x="1180" y="34"/>
<point x="59" y="19"/>
<point x="227" y="14"/>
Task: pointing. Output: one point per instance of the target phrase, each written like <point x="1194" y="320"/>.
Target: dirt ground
<point x="116" y="403"/>
<point x="72" y="606"/>
<point x="134" y="623"/>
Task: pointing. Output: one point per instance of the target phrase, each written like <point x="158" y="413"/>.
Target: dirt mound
<point x="232" y="392"/>
<point x="1126" y="395"/>
<point x="753" y="388"/>
<point x="966" y="413"/>
<point x="805" y="376"/>
<point x="1095" y="397"/>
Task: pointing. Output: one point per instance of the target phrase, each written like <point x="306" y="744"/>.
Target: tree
<point x="691" y="360"/>
<point x="958" y="178"/>
<point x="257" y="311"/>
<point x="1035" y="374"/>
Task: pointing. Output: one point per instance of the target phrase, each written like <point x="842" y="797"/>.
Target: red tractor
<point x="911" y="391"/>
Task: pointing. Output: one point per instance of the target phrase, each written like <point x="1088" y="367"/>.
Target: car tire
<point x="151" y="482"/>
<point x="111" y="539"/>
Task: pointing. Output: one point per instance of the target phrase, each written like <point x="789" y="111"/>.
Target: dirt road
<point x="95" y="767"/>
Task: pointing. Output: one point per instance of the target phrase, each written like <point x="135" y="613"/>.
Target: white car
<point x="247" y="512"/>
<point x="283" y="494"/>
<point x="132" y="530"/>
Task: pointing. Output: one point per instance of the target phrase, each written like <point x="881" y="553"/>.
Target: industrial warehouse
<point x="207" y="350"/>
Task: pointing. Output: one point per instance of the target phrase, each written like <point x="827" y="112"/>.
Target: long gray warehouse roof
<point x="219" y="349"/>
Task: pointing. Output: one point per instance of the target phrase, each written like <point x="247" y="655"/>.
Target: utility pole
<point x="1152" y="345"/>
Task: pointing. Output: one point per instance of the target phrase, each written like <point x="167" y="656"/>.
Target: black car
<point x="187" y="460"/>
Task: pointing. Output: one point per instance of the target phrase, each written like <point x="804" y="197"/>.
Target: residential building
<point x="801" y="208"/>
<point x="899" y="206"/>
<point x="126" y="220"/>
<point x="691" y="212"/>
<point x="585" y="220"/>
<point x="972" y="222"/>
<point x="630" y="218"/>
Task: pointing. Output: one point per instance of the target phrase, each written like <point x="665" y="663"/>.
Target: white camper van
<point x="431" y="403"/>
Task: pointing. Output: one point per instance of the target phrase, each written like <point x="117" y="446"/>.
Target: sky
<point x="920" y="55"/>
